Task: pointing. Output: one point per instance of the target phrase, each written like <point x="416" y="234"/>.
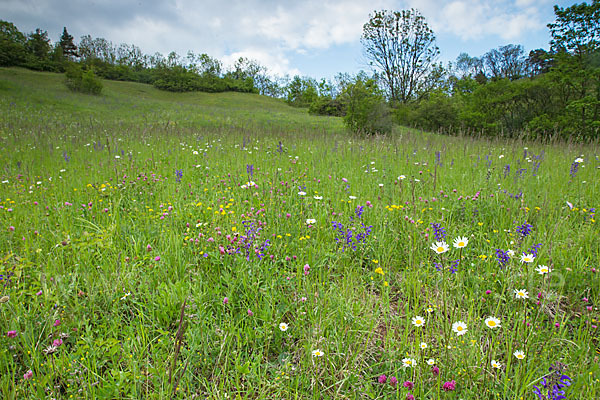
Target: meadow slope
<point x="161" y="245"/>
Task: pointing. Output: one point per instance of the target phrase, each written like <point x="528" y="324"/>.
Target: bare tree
<point x="401" y="49"/>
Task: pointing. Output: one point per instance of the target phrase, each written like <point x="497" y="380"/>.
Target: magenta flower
<point x="57" y="322"/>
<point x="393" y="381"/>
<point x="28" y="375"/>
<point x="409" y="385"/>
<point x="148" y="248"/>
<point x="225" y="300"/>
<point x="382" y="379"/>
<point x="157" y="258"/>
<point x="11" y="334"/>
<point x="39" y="293"/>
<point x="57" y="342"/>
<point x="409" y="396"/>
<point x="435" y="370"/>
<point x="250" y="313"/>
<point x="306" y="269"/>
<point x="449" y="386"/>
<point x="11" y="228"/>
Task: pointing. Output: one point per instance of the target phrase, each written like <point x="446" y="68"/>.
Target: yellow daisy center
<point x="492" y="323"/>
<point x="440" y="249"/>
<point x="461" y="244"/>
<point x="459" y="328"/>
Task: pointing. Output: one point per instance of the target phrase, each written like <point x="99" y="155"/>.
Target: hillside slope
<point x="25" y="92"/>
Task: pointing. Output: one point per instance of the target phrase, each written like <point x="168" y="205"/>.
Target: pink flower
<point x="148" y="248"/>
<point x="382" y="379"/>
<point x="11" y="334"/>
<point x="28" y="375"/>
<point x="306" y="269"/>
<point x="57" y="342"/>
<point x="11" y="228"/>
<point x="250" y="313"/>
<point x="303" y="299"/>
<point x="225" y="300"/>
<point x="409" y="396"/>
<point x="488" y="291"/>
<point x="393" y="381"/>
<point x="589" y="308"/>
<point x="409" y="385"/>
<point x="57" y="322"/>
<point x="39" y="293"/>
<point x="435" y="370"/>
<point x="449" y="386"/>
<point x="157" y="258"/>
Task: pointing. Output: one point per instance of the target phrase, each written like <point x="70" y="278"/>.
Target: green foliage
<point x="437" y="111"/>
<point x="325" y="105"/>
<point x="12" y="45"/>
<point x="301" y="92"/>
<point x="366" y="110"/>
<point x="180" y="79"/>
<point x="82" y="81"/>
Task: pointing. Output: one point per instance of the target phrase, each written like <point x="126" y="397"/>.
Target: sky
<point x="316" y="38"/>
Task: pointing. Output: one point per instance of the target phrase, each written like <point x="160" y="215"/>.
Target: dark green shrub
<point x="82" y="81"/>
<point x="367" y="111"/>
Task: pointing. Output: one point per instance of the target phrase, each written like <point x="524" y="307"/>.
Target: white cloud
<point x="277" y="64"/>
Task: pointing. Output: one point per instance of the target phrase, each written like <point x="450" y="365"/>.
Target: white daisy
<point x="409" y="362"/>
<point x="311" y="221"/>
<point x="510" y="253"/>
<point x="579" y="160"/>
<point x="527" y="258"/>
<point x="431" y="361"/>
<point x="423" y="345"/>
<point x="496" y="364"/>
<point x="317" y="353"/>
<point x="401" y="177"/>
<point x="418" y="321"/>
<point x="302" y="193"/>
<point x="519" y="354"/>
<point x="459" y="327"/>
<point x="283" y="326"/>
<point x="318" y="197"/>
<point x="492" y="322"/>
<point x="460" y="242"/>
<point x="542" y="269"/>
<point x="440" y="247"/>
<point x="521" y="294"/>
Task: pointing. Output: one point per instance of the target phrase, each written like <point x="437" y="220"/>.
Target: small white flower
<point x="423" y="345"/>
<point x="579" y="160"/>
<point x="460" y="242"/>
<point x="510" y="253"/>
<point x="496" y="364"/>
<point x="521" y="294"/>
<point x="418" y="321"/>
<point x="542" y="269"/>
<point x="431" y="361"/>
<point x="401" y="177"/>
<point x="283" y="326"/>
<point x="311" y="221"/>
<point x="381" y="185"/>
<point x="492" y="322"/>
<point x="409" y="362"/>
<point x="195" y="152"/>
<point x="318" y="197"/>
<point x="117" y="157"/>
<point x="440" y="247"/>
<point x="519" y="354"/>
<point x="527" y="258"/>
<point x="317" y="353"/>
<point x="459" y="327"/>
<point x="352" y="197"/>
<point x="302" y="193"/>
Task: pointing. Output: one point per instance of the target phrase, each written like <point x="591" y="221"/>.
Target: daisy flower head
<point x="521" y="294"/>
<point x="492" y="322"/>
<point x="423" y="345"/>
<point x="519" y="354"/>
<point x="418" y="321"/>
<point x="496" y="364"/>
<point x="283" y="327"/>
<point x="460" y="242"/>
<point x="440" y="247"/>
<point x="527" y="258"/>
<point x="409" y="362"/>
<point x="301" y="193"/>
<point x="459" y="327"/>
<point x="317" y="353"/>
<point x="510" y="253"/>
<point x="311" y="221"/>
<point x="431" y="361"/>
<point x="318" y="197"/>
<point x="543" y="269"/>
<point x="579" y="160"/>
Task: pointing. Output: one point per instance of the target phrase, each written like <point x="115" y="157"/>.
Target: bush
<point x="325" y="105"/>
<point x="367" y="111"/>
<point x="79" y="81"/>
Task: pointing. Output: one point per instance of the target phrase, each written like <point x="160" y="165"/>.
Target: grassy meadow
<point x="227" y="246"/>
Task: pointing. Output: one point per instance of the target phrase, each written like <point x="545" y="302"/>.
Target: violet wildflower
<point x="454" y="266"/>
<point x="435" y="370"/>
<point x="552" y="385"/>
<point x="502" y="258"/>
<point x="178" y="175"/>
<point x="438" y="231"/>
<point x="524" y="229"/>
<point x="393" y="381"/>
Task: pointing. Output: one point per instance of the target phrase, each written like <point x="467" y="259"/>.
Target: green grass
<point x="100" y="233"/>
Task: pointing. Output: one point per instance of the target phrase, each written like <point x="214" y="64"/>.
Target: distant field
<point x="307" y="259"/>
